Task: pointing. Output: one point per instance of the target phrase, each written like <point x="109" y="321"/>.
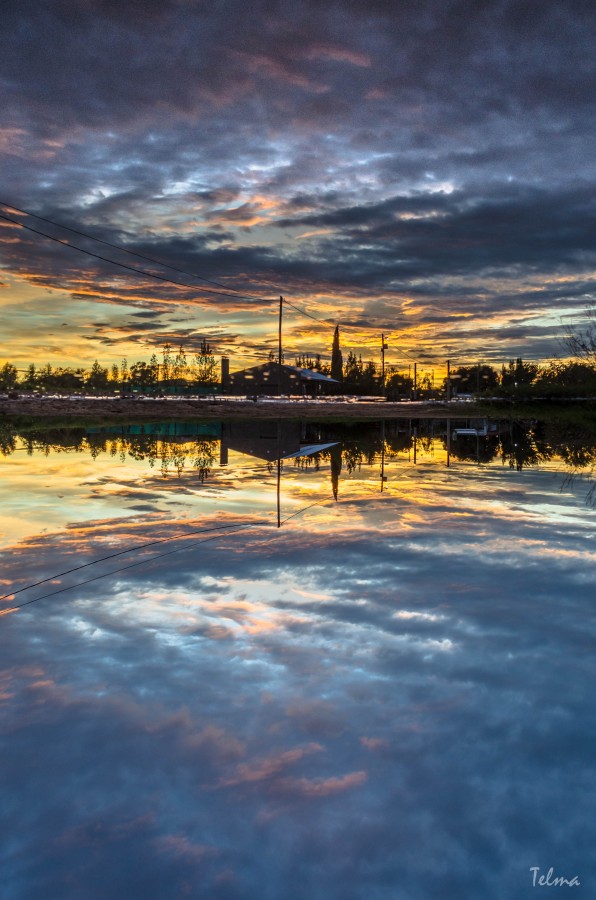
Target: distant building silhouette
<point x="274" y="379"/>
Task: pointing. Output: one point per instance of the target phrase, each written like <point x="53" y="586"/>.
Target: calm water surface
<point x="389" y="696"/>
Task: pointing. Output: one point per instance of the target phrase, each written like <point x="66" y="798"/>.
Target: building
<point x="274" y="379"/>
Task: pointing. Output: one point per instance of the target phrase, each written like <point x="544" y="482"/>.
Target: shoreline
<point x="222" y="408"/>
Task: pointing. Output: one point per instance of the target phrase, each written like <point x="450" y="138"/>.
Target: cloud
<point x="348" y="155"/>
<point x="267" y="769"/>
<point x="323" y="787"/>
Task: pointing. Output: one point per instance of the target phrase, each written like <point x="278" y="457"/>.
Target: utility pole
<point x="415" y="381"/>
<point x="384" y="347"/>
<point x="279" y="353"/>
<point x="448" y="380"/>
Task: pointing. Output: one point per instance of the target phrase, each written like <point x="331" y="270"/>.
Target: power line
<point x="304" y="313"/>
<point x="117" y="247"/>
<point x="132" y="268"/>
<point x="350" y="325"/>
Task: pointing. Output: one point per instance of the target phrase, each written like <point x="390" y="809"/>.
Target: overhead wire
<point x="304" y="313"/>
<point x="350" y="325"/>
<point x="118" y="247"/>
<point x="136" y="271"/>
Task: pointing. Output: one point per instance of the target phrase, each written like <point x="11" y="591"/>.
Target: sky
<point x="420" y="169"/>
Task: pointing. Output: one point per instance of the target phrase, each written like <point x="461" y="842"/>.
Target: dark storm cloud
<point x="419" y="141"/>
<point x="536" y="230"/>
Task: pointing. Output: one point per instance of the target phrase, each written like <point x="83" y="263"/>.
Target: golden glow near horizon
<point x="76" y="326"/>
<point x="40" y="489"/>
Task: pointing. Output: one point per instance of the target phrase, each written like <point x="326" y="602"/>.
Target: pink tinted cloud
<point x="372" y="743"/>
<point x="179" y="847"/>
<point x="339" y="54"/>
<point x="321" y="787"/>
<point x="269" y="767"/>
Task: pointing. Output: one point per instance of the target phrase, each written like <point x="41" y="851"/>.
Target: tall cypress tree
<point x="337" y="362"/>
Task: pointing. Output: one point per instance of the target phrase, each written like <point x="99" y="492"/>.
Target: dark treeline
<point x="200" y="371"/>
<point x="517" y="378"/>
<point x="160" y="452"/>
<point x="174" y="369"/>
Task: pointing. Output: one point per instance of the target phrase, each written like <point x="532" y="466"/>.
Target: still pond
<point x="293" y="661"/>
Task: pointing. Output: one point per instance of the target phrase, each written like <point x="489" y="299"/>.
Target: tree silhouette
<point x="337" y="362"/>
<point x="580" y="340"/>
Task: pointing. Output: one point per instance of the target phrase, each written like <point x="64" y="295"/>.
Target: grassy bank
<point x="32" y="415"/>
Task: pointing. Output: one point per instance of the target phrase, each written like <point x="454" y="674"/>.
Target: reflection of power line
<point x="142" y="561"/>
<point x="230" y="529"/>
<point x="104" y="575"/>
<point x="94" y="562"/>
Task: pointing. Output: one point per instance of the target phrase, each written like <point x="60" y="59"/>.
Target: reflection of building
<point x="477" y="427"/>
<point x="270" y="440"/>
<point x="160" y="430"/>
<point x="271" y="378"/>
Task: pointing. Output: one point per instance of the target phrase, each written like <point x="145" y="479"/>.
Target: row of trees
<point x="175" y="368"/>
<point x="515" y="377"/>
<point x="527" y="378"/>
<point x="358" y="377"/>
<point x="575" y="376"/>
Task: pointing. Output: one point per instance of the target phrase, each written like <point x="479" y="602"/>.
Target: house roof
<point x="303" y="374"/>
<point x="311" y="375"/>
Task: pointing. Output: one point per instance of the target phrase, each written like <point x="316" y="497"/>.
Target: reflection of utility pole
<point x="448" y="441"/>
<point x="223" y="451"/>
<point x="279" y="492"/>
<point x="415" y="442"/>
<point x="383" y="476"/>
<point x="279" y="467"/>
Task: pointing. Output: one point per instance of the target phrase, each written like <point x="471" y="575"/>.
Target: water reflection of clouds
<point x="383" y="698"/>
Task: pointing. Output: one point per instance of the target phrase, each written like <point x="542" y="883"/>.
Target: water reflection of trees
<point x="517" y="444"/>
<point x="170" y="457"/>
